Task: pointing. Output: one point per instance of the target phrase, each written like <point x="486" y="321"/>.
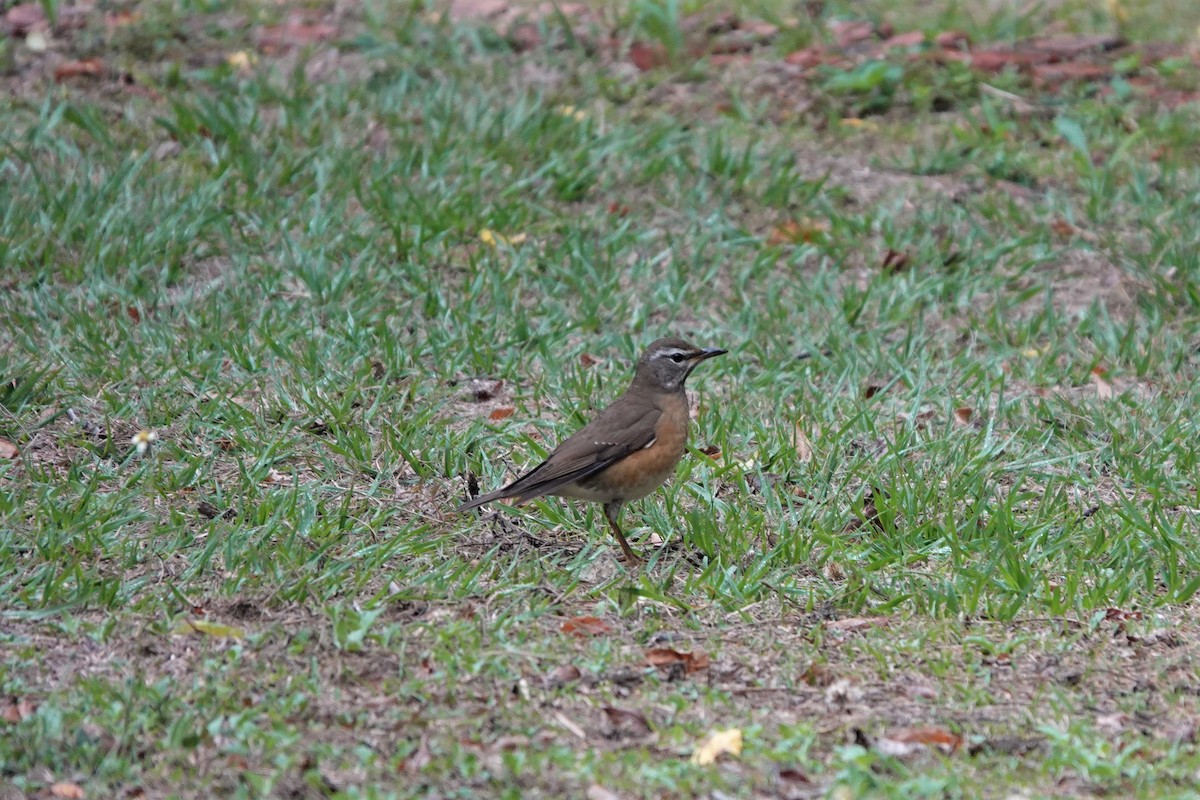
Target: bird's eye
<point x="677" y="357"/>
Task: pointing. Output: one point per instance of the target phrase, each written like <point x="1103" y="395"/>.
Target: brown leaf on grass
<point x="1120" y="615"/>
<point x="765" y="31"/>
<point x="587" y="360"/>
<point x="294" y="33"/>
<point x="928" y="736"/>
<point x="797" y="231"/>
<point x="586" y="626"/>
<point x="851" y="32"/>
<point x="647" y="56"/>
<point x="1063" y="228"/>
<point x="894" y="261"/>
<point x="619" y="209"/>
<point x="87" y="68"/>
<point x="952" y="40"/>
<point x="625" y="723"/>
<point x="1067" y="47"/>
<point x="1051" y="76"/>
<point x="561" y="675"/>
<point x="665" y="657"/>
<point x="962" y="416"/>
<point x="1104" y="389"/>
<point x="804" y="447"/>
<point x="809" y="57"/>
<point x="24" y="17"/>
<point x="903" y="40"/>
<point x="503" y="412"/>
<point x="8" y="450"/>
<point x="871" y="389"/>
<point x="712" y="451"/>
<point x="17" y="709"/>
<point x="793" y="775"/>
<point x="67" y="791"/>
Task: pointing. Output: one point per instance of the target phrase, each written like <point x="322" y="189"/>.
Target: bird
<point x="629" y="450"/>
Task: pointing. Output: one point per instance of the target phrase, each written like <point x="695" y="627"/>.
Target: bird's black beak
<point x="707" y="353"/>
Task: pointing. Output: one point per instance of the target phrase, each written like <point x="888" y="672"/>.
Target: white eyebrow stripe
<point x="670" y="351"/>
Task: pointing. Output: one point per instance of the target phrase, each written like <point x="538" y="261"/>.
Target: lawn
<point x="281" y="286"/>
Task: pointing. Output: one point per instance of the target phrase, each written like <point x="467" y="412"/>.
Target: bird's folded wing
<point x="585" y="453"/>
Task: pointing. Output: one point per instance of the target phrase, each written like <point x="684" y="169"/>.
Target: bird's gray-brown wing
<point x="617" y="432"/>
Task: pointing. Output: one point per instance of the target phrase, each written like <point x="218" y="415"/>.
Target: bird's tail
<point x="484" y="499"/>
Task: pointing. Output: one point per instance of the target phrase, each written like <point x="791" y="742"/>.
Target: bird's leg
<point x="611" y="512"/>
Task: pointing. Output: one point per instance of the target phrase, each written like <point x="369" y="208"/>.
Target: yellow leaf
<point x="574" y="113"/>
<point x="241" y="60"/>
<point x="716" y="744"/>
<point x="493" y="239"/>
<point x="1031" y="352"/>
<point x="214" y="629"/>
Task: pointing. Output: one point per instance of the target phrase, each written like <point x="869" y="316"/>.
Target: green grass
<point x="282" y="274"/>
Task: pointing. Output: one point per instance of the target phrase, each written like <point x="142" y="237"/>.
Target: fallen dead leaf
<point x="623" y="722"/>
<point x="561" y="675"/>
<point x="588" y="360"/>
<point x="804" y="448"/>
<point x="17" y="709"/>
<point x="850" y="32"/>
<point x="88" y="67"/>
<point x="870" y="390"/>
<point x="712" y="451"/>
<point x="67" y="791"/>
<point x="208" y="628"/>
<point x="717" y="744"/>
<point x="904" y="40"/>
<point x="586" y="626"/>
<point x="893" y="262"/>
<point x="647" y="56"/>
<point x="962" y="416"/>
<point x="793" y="775"/>
<point x="1104" y="389"/>
<point x="798" y="231"/>
<point x="930" y="736"/>
<point x="275" y="476"/>
<point x="8" y="450"/>
<point x="1120" y="615"/>
<point x="665" y="657"/>
<point x="295" y="33"/>
<point x="952" y="40"/>
<point x="809" y="57"/>
<point x="1063" y="228"/>
<point x="503" y="412"/>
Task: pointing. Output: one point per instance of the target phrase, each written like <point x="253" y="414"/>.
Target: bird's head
<point x="667" y="362"/>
